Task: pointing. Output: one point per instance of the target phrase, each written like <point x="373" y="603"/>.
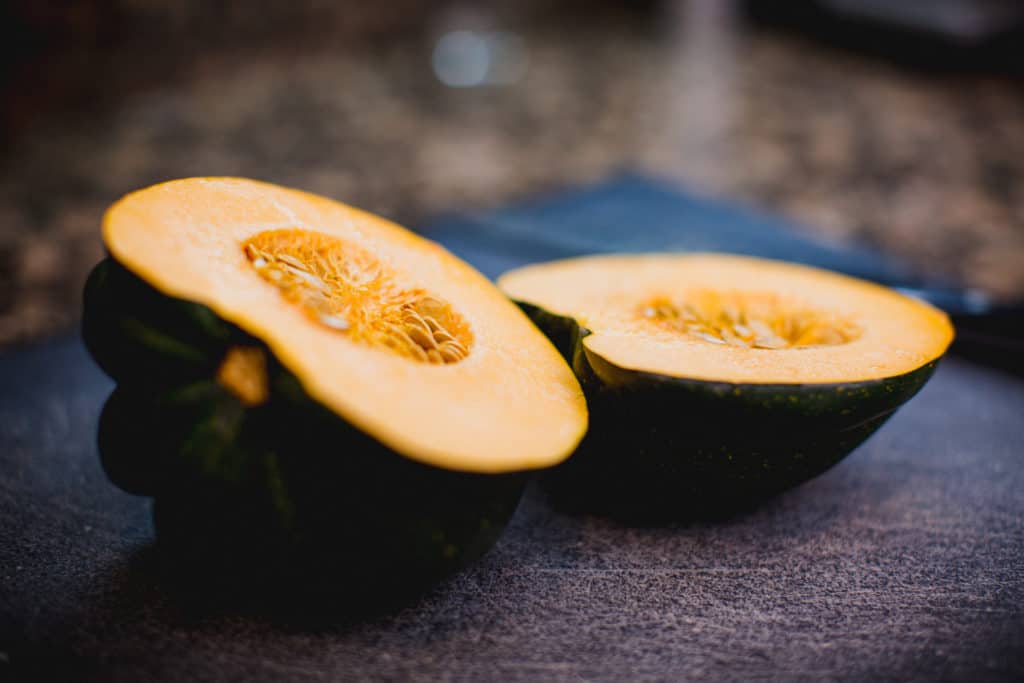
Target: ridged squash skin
<point x="662" y="447"/>
<point x="287" y="492"/>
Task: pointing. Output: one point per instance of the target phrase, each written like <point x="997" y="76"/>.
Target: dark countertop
<point x="901" y="563"/>
<point x="929" y="166"/>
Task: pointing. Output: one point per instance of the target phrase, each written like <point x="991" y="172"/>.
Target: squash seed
<point x="334" y="322"/>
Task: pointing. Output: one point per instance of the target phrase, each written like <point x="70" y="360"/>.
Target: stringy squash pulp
<point x="735" y="319"/>
<point x="384" y="328"/>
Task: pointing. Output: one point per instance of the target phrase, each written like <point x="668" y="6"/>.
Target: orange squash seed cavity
<point x="346" y="289"/>
<point x="750" y="320"/>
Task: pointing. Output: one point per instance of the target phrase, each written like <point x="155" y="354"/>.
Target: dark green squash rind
<point x="287" y="493"/>
<point x="136" y="333"/>
<point x="663" y="447"/>
<point x="152" y="440"/>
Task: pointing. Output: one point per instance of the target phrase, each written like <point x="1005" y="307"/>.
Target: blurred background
<point x="899" y="125"/>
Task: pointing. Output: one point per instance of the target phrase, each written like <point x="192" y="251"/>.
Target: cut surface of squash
<point x="735" y="319"/>
<point x="384" y="328"/>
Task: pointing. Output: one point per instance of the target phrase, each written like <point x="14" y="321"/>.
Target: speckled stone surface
<point x="903" y="563"/>
<point x="928" y="166"/>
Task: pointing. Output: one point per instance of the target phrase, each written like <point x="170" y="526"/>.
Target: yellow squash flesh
<point x="735" y="319"/>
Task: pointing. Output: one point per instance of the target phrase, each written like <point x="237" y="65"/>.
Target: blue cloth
<point x="632" y="213"/>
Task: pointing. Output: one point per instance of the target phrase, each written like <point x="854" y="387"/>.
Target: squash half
<point x="714" y="381"/>
<point x="299" y="378"/>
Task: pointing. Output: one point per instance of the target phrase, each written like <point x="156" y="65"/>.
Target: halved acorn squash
<point x="301" y="384"/>
<point x="714" y="381"/>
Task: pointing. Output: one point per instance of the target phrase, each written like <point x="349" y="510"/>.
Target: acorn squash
<point x="305" y="388"/>
<point x="714" y="381"/>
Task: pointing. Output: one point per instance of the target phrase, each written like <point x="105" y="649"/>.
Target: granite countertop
<point x="925" y="165"/>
